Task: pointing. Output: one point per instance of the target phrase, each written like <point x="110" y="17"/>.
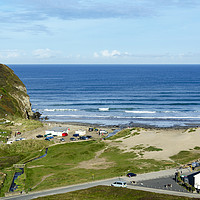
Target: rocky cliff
<point x="14" y="100"/>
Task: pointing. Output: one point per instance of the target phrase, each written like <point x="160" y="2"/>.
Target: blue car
<point x="51" y="137"/>
<point x="131" y="174"/>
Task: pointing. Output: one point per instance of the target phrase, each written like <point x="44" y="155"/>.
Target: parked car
<point x="83" y="138"/>
<point x="76" y="135"/>
<point x="39" y="136"/>
<point x="119" y="184"/>
<point x="91" y="129"/>
<point x="50" y="137"/>
<point x="72" y="139"/>
<point x="103" y="132"/>
<point x="131" y="174"/>
<point x="64" y="134"/>
<point x="20" y="139"/>
<point x="62" y="139"/>
<point x="89" y="136"/>
<point x="47" y="139"/>
<point x="18" y="133"/>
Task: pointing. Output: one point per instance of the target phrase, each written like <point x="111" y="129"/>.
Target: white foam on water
<point x="140" y="112"/>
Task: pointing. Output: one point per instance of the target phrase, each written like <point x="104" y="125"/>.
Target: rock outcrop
<point x="14" y="100"/>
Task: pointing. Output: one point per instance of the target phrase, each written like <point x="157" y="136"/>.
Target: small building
<point x="80" y="132"/>
<point x="57" y="131"/>
<point x="193" y="179"/>
<point x="197" y="181"/>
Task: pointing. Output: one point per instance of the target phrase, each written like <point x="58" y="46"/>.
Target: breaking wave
<point x="53" y="110"/>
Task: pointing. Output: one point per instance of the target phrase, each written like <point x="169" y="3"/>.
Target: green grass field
<point x="60" y="166"/>
<point x="111" y="193"/>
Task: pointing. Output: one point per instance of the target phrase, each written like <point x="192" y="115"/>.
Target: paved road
<point x="60" y="190"/>
<point x="161" y="175"/>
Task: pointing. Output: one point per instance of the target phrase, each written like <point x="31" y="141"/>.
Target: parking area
<point x="72" y="135"/>
<point x="167" y="183"/>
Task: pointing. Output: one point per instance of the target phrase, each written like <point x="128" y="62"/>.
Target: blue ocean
<point x="159" y="95"/>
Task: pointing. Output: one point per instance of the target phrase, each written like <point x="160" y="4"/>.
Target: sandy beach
<point x="169" y="141"/>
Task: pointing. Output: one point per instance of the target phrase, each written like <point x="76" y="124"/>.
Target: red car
<point x="64" y="134"/>
<point x="18" y="133"/>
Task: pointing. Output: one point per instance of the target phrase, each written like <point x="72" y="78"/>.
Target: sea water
<point x="160" y="95"/>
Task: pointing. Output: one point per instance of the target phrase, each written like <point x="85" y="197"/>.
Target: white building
<point x="193" y="179"/>
<point x="57" y="131"/>
<point x="80" y="132"/>
<point x="197" y="181"/>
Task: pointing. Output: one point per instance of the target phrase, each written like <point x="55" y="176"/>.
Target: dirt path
<point x="96" y="163"/>
<point x="43" y="178"/>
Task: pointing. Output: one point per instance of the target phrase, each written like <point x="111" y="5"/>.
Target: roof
<point x="193" y="174"/>
<point x="59" y="129"/>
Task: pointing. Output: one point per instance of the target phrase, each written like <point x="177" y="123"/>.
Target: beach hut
<point x="57" y="131"/>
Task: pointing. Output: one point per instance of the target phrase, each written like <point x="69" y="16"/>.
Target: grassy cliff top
<point x="8" y="79"/>
<point x="12" y="94"/>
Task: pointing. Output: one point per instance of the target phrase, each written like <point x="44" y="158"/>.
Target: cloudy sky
<point x="99" y="31"/>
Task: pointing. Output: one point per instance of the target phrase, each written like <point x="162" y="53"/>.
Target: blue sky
<point x="100" y="31"/>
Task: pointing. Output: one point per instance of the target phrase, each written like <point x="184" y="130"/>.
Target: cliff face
<point x="14" y="100"/>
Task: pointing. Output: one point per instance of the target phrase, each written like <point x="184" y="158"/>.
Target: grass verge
<point x="111" y="193"/>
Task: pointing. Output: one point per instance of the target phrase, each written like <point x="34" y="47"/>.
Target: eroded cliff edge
<point x="14" y="100"/>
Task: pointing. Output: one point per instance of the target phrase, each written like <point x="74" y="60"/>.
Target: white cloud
<point x="6" y="54"/>
<point x="106" y="53"/>
<point x="43" y="53"/>
<point x="116" y="53"/>
<point x="96" y="55"/>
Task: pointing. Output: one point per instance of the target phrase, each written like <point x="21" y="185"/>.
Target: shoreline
<point x="123" y="126"/>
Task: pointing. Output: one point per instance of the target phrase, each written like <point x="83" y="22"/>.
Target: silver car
<point x="119" y="184"/>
